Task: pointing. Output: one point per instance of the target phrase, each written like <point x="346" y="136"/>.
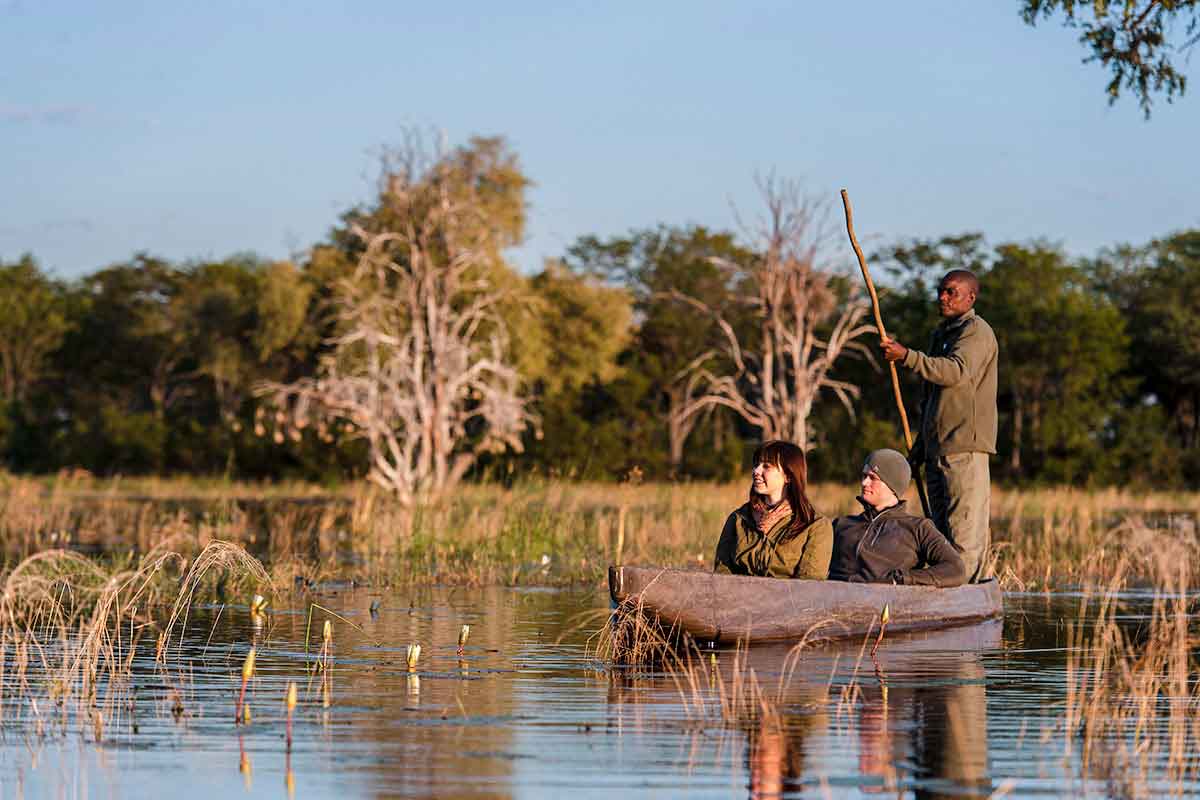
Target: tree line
<point x="403" y="348"/>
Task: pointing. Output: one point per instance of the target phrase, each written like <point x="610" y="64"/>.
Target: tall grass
<point x="1133" y="702"/>
<point x="70" y="628"/>
<point x="540" y="532"/>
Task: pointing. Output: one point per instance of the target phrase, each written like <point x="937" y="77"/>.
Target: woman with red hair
<point x="777" y="533"/>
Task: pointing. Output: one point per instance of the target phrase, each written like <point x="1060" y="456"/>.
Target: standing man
<point x="958" y="417"/>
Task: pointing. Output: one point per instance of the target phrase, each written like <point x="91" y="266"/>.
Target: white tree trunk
<point x="774" y="386"/>
<point x="419" y="366"/>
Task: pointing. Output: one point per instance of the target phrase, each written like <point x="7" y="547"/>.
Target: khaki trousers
<point x="960" y="502"/>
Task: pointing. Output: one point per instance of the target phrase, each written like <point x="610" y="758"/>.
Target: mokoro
<point x="727" y="608"/>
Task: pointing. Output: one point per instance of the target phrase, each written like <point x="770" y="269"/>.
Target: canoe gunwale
<point x="732" y="608"/>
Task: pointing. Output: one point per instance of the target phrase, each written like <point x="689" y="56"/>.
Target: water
<point x="526" y="712"/>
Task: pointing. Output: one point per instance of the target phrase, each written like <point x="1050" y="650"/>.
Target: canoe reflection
<point x="911" y="720"/>
<point x="922" y="722"/>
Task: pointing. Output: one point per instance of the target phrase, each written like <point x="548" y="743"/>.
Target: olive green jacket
<point x="745" y="550"/>
<point x="958" y="402"/>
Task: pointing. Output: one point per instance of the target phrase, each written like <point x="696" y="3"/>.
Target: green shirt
<point x="958" y="401"/>
<point x="745" y="550"/>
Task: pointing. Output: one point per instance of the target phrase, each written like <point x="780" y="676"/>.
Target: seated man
<point x="886" y="544"/>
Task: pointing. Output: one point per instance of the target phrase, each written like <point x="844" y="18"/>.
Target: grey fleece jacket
<point x="893" y="546"/>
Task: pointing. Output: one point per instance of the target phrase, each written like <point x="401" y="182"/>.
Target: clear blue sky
<point x="195" y="130"/>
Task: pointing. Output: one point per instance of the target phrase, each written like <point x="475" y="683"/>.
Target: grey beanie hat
<point x="892" y="468"/>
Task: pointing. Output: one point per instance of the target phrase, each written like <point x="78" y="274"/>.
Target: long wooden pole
<point x="862" y="263"/>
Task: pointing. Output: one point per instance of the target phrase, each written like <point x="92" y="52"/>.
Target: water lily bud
<point x="248" y="666"/>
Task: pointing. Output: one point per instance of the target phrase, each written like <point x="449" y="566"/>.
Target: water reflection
<point x="932" y="736"/>
<point x="912" y="719"/>
<point x="524" y="711"/>
<point x="776" y="755"/>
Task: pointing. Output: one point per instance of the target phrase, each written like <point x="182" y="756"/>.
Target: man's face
<point x="877" y="493"/>
<point x="955" y="298"/>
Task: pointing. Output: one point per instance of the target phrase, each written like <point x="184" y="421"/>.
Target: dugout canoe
<point x="727" y="608"/>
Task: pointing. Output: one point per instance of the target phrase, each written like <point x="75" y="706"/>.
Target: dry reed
<point x="550" y="532"/>
<point x="1133" y="699"/>
<point x="71" y="627"/>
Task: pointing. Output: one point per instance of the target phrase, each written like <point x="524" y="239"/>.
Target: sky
<point x="199" y="130"/>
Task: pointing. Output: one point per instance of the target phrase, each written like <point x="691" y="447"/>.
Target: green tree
<point x="124" y="366"/>
<point x="1134" y="39"/>
<point x="656" y="265"/>
<point x="1062" y="350"/>
<point x="218" y="304"/>
<point x="1157" y="288"/>
<point x="33" y="322"/>
<point x="244" y="322"/>
<point x="573" y="328"/>
<point x="283" y="309"/>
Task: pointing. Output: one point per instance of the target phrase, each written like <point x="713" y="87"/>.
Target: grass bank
<point x="535" y="533"/>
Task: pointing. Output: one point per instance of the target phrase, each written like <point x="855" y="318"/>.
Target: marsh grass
<point x="631" y="636"/>
<point x="71" y="627"/>
<point x="549" y="533"/>
<point x="1132" y="713"/>
<point x="71" y="624"/>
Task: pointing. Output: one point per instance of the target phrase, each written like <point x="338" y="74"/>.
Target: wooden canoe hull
<point x="728" y="608"/>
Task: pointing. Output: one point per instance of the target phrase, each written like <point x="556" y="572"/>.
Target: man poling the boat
<point x="777" y="533"/>
<point x="885" y="543"/>
<point x="958" y="417"/>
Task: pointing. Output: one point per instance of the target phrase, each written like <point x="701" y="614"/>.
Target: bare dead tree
<point x="774" y="383"/>
<point x="418" y="366"/>
<point x="684" y="411"/>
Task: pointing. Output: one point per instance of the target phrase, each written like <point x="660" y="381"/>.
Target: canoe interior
<point x="729" y="608"/>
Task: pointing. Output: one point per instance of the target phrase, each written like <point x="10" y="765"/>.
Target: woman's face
<point x="768" y="479"/>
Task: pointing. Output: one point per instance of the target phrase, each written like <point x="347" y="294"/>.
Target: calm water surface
<point x="527" y="712"/>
